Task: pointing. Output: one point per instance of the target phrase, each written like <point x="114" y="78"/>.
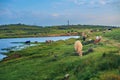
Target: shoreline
<point x="7" y="53"/>
<point x="52" y="35"/>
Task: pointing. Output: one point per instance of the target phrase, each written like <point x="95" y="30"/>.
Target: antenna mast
<point x="68" y="23"/>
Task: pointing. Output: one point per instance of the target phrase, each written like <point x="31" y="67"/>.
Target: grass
<point x="53" y="61"/>
<point x="22" y="30"/>
<point x="114" y="34"/>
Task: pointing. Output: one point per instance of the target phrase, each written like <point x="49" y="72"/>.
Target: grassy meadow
<point x="53" y="61"/>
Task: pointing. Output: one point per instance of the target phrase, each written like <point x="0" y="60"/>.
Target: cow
<point x="49" y="41"/>
<point x="27" y="42"/>
<point x="78" y="47"/>
<point x="97" y="40"/>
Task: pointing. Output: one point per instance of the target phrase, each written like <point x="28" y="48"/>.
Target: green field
<point x="53" y="61"/>
<point x="21" y="30"/>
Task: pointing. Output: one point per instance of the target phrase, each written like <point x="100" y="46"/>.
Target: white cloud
<point x="102" y="2"/>
<point x="91" y="2"/>
<point x="55" y="15"/>
<point x="79" y="2"/>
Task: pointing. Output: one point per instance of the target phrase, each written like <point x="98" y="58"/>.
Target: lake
<point x="17" y="43"/>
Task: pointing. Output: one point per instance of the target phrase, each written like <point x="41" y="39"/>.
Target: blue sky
<point x="58" y="12"/>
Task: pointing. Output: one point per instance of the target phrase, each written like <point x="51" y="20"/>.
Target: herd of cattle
<point x="78" y="45"/>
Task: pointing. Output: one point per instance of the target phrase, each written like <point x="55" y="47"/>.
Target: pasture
<point x="53" y="61"/>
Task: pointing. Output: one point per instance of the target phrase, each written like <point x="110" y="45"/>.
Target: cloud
<point x="77" y="11"/>
<point x="91" y="2"/>
<point x="102" y="2"/>
<point x="79" y="2"/>
<point x="55" y="15"/>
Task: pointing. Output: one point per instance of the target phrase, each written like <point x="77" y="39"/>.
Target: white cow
<point x="78" y="47"/>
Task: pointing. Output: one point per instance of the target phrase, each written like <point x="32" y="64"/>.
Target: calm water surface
<point x="16" y="43"/>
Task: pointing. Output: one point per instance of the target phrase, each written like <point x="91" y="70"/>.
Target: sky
<point x="58" y="12"/>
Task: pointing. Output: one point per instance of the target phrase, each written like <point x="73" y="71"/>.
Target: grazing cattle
<point x="98" y="39"/>
<point x="104" y="32"/>
<point x="91" y="31"/>
<point x="109" y="29"/>
<point x="84" y="36"/>
<point x="36" y="41"/>
<point x="66" y="77"/>
<point x="27" y="42"/>
<point x="90" y="41"/>
<point x="49" y="41"/>
<point x="78" y="47"/>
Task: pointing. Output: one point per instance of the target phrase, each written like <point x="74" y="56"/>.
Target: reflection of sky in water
<point x="18" y="43"/>
<point x="2" y="56"/>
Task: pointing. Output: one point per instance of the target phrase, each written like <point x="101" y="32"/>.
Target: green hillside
<point x="21" y="30"/>
<point x="53" y="61"/>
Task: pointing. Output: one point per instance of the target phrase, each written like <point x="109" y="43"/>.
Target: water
<point x="16" y="43"/>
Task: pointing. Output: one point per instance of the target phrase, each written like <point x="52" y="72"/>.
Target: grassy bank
<point x="53" y="61"/>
